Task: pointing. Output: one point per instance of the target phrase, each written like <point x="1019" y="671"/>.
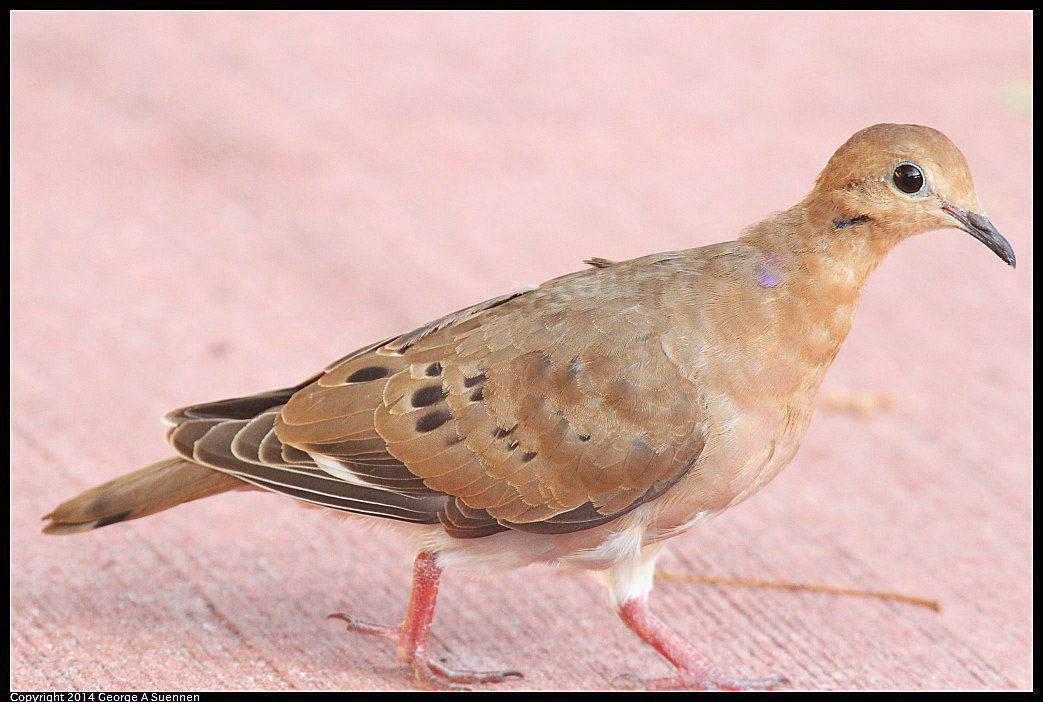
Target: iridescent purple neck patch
<point x="767" y="272"/>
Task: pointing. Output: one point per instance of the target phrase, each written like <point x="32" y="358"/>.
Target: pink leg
<point x="413" y="634"/>
<point x="694" y="670"/>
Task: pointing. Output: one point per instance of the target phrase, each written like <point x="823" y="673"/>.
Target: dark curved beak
<point x="981" y="229"/>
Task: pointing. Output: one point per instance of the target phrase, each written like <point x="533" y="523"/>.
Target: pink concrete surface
<point x="206" y="205"/>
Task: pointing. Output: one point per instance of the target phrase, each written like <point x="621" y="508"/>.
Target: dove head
<point x="903" y="179"/>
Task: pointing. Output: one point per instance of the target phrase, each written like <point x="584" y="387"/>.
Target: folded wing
<point x="549" y="410"/>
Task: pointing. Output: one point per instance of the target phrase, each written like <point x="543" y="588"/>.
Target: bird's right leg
<point x="694" y="670"/>
<point x="413" y="634"/>
<point x="630" y="582"/>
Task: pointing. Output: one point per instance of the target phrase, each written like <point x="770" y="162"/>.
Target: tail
<point x="152" y="489"/>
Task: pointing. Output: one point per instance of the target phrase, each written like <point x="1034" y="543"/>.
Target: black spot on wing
<point x="474" y="380"/>
<point x="432" y="420"/>
<point x="364" y="375"/>
<point x="427" y="396"/>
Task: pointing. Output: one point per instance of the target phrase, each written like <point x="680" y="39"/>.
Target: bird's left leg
<point x="630" y="583"/>
<point x="413" y="634"/>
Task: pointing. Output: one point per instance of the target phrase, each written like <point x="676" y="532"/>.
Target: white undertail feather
<point x="631" y="578"/>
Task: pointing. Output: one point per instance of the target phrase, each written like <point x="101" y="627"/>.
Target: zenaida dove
<point x="583" y="422"/>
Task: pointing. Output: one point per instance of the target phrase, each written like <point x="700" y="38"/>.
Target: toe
<point x="363" y="627"/>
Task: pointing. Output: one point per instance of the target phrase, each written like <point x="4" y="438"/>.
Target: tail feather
<point x="152" y="489"/>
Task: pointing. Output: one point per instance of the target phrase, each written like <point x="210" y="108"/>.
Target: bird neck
<point x="835" y="251"/>
<point x="813" y="269"/>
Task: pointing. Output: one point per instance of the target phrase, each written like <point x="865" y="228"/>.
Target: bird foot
<point x="698" y="680"/>
<point x="432" y="673"/>
<point x="442" y="677"/>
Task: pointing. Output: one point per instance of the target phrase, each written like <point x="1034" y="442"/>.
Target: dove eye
<point x="908" y="178"/>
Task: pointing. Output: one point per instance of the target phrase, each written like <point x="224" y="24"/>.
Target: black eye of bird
<point x="908" y="177"/>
